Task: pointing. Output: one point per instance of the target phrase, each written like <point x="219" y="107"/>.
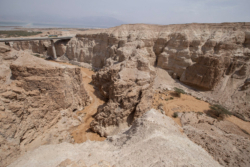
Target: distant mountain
<point x="89" y="21"/>
<point x="102" y="21"/>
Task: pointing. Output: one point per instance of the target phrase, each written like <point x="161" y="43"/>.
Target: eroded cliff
<point x="35" y="103"/>
<point x="212" y="58"/>
<point x="128" y="88"/>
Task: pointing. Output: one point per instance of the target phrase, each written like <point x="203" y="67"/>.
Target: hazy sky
<point x="131" y="11"/>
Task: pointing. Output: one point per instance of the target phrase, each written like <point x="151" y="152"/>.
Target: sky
<point x="127" y="11"/>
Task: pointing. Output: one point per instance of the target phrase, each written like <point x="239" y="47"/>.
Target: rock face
<point x="226" y="142"/>
<point x="152" y="140"/>
<point x="173" y="47"/>
<point x="206" y="72"/>
<point x="213" y="58"/>
<point x="42" y="47"/>
<point x="128" y="88"/>
<point x="41" y="95"/>
<point x="4" y="67"/>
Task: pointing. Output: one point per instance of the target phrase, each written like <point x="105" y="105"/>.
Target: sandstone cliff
<point x="212" y="58"/>
<point x="35" y="103"/>
<point x="41" y="47"/>
<point x="128" y="88"/>
<point x="153" y="140"/>
<point x="173" y="47"/>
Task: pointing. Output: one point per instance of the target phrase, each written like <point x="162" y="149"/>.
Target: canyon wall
<point x="153" y="140"/>
<point x="36" y="100"/>
<point x="211" y="58"/>
<point x="128" y="88"/>
<point x="41" y="47"/>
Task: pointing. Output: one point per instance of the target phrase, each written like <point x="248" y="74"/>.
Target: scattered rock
<point x="226" y="142"/>
<point x="152" y="140"/>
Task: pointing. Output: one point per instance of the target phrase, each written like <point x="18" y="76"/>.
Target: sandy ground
<point x="187" y="103"/>
<point x="240" y="123"/>
<point x="82" y="132"/>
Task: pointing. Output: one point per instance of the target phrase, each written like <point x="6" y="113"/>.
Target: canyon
<point x="47" y="106"/>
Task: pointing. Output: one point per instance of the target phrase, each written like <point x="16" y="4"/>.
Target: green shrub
<point x="240" y="116"/>
<point x="37" y="55"/>
<point x="198" y="98"/>
<point x="199" y="113"/>
<point x="218" y="111"/>
<point x="175" y="114"/>
<point x="178" y="92"/>
<point x="171" y="98"/>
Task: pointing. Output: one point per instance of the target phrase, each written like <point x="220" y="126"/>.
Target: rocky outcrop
<point x="128" y="88"/>
<point x="152" y="140"/>
<point x="42" y="47"/>
<point x="198" y="54"/>
<point x="36" y="104"/>
<point x="173" y="47"/>
<point x="118" y="43"/>
<point x="60" y="46"/>
<point x="226" y="142"/>
<point x="206" y="72"/>
<point x="212" y="58"/>
<point x="188" y="52"/>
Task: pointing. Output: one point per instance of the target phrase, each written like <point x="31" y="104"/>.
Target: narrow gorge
<point x="106" y="82"/>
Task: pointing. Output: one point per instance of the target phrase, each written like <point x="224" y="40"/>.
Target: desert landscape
<point x="130" y="95"/>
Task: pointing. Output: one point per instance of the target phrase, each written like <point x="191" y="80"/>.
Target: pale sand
<point x="187" y="103"/>
<point x="82" y="133"/>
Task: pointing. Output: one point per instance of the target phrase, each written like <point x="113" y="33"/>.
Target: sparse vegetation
<point x="8" y="34"/>
<point x="160" y="106"/>
<point x="240" y="116"/>
<point x="199" y="113"/>
<point x="175" y="114"/>
<point x="198" y="98"/>
<point x="171" y="98"/>
<point x="178" y="92"/>
<point x="218" y="111"/>
<point x="37" y="55"/>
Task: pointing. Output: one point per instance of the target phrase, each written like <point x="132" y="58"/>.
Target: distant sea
<point x="12" y="25"/>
